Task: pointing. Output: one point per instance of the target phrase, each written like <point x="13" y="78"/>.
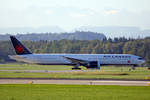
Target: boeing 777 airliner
<point x="93" y="61"/>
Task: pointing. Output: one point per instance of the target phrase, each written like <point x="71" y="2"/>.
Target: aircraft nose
<point x="142" y="61"/>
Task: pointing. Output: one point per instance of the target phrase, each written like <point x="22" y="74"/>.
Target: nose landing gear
<point x="132" y="67"/>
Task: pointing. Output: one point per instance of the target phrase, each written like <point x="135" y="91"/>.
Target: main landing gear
<point x="76" y="67"/>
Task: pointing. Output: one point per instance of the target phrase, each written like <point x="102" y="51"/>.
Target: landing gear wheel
<point x="76" y="68"/>
<point x="133" y="67"/>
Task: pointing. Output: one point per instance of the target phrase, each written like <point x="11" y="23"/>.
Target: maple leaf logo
<point x="19" y="49"/>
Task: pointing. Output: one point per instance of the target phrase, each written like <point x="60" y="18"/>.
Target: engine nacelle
<point x="93" y="64"/>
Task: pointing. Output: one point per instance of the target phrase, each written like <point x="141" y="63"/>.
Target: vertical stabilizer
<point x="19" y="48"/>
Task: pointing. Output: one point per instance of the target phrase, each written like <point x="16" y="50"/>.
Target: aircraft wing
<point x="76" y="61"/>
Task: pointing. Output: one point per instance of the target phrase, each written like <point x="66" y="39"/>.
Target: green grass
<point x="32" y="67"/>
<point x="16" y="66"/>
<point x="108" y="72"/>
<point x="73" y="92"/>
<point x="77" y="75"/>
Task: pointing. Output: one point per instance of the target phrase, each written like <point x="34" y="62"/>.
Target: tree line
<point x="139" y="47"/>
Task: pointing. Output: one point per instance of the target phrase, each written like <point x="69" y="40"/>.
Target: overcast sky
<point x="70" y="14"/>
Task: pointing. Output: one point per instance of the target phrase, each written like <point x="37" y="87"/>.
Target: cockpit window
<point x="140" y="58"/>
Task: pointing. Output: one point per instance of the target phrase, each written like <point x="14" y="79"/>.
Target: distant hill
<point x="54" y="36"/>
<point x="117" y="31"/>
<point x="108" y="31"/>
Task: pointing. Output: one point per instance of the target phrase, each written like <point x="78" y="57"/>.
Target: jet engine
<point x="93" y="65"/>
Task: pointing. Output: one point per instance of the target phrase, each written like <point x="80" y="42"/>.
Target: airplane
<point x="90" y="61"/>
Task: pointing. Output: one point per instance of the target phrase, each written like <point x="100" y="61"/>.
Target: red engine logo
<point x="19" y="49"/>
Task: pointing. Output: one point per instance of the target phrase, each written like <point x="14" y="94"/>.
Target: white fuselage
<point x="59" y="59"/>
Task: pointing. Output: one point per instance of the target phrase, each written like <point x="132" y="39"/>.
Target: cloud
<point x="36" y="15"/>
<point x="78" y="15"/>
<point x="81" y="13"/>
<point x="49" y="12"/>
<point x="110" y="12"/>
